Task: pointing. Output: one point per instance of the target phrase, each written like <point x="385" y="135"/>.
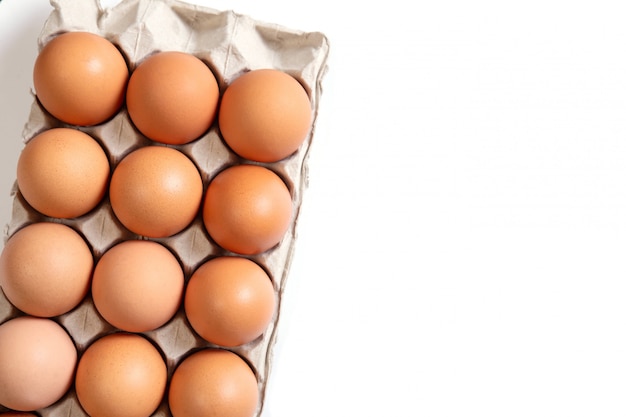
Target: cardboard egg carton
<point x="230" y="44"/>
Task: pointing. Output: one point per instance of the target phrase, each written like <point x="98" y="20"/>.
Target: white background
<point x="462" y="243"/>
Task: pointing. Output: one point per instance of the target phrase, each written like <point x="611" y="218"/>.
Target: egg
<point x="63" y="173"/>
<point x="80" y="78"/>
<point x="156" y="191"/>
<point x="265" y="115"/>
<point x="37" y="363"/>
<point x="45" y="269"/>
<point x="247" y="209"/>
<point x="137" y="285"/>
<point x="229" y="301"/>
<point x="213" y="383"/>
<point x="121" y="375"/>
<point x="172" y="97"/>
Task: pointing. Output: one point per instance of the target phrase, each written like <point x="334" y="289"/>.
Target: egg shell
<point x="63" y="173"/>
<point x="156" y="191"/>
<point x="172" y="97"/>
<point x="37" y="362"/>
<point x="45" y="269"/>
<point x="80" y="78"/>
<point x="213" y="383"/>
<point x="265" y="115"/>
<point x="230" y="301"/>
<point x="137" y="285"/>
<point x="247" y="209"/>
<point x="121" y="374"/>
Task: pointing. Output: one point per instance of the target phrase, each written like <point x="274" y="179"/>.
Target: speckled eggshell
<point x="156" y="191"/>
<point x="247" y="209"/>
<point x="45" y="269"/>
<point x="137" y="285"/>
<point x="265" y="115"/>
<point x="80" y="78"/>
<point x="230" y="300"/>
<point x="213" y="383"/>
<point x="63" y="173"/>
<point x="172" y="97"/>
<point x="37" y="362"/>
<point x="121" y="374"/>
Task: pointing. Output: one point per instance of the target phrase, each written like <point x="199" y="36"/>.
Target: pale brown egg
<point x="121" y="375"/>
<point x="156" y="191"/>
<point x="172" y="97"/>
<point x="45" y="269"/>
<point x="213" y="383"/>
<point x="80" y="78"/>
<point x="37" y="363"/>
<point x="137" y="285"/>
<point x="247" y="209"/>
<point x="265" y="115"/>
<point x="63" y="173"/>
<point x="229" y="301"/>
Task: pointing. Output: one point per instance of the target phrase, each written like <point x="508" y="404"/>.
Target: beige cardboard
<point x="230" y="44"/>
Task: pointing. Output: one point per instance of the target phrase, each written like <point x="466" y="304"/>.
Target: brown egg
<point x="156" y="191"/>
<point x="247" y="209"/>
<point x="137" y="285"/>
<point x="37" y="362"/>
<point x="45" y="269"/>
<point x="121" y="374"/>
<point x="213" y="383"/>
<point x="265" y="115"/>
<point x="229" y="301"/>
<point x="63" y="173"/>
<point x="80" y="78"/>
<point x="172" y="97"/>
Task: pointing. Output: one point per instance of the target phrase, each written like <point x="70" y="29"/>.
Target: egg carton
<point x="230" y="44"/>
